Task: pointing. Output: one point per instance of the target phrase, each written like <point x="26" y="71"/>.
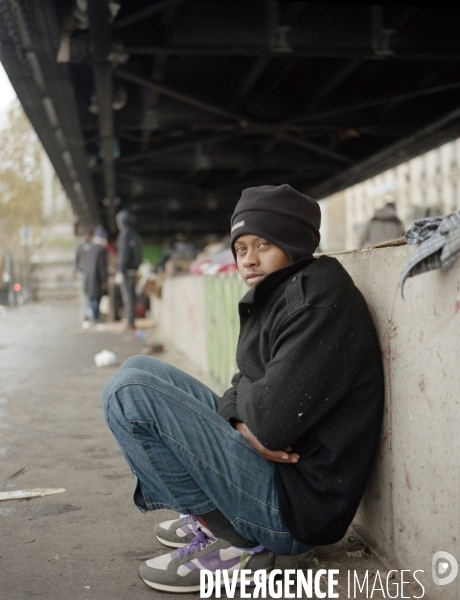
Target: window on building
<point x="453" y="156"/>
<point x="454" y="197"/>
<point x="439" y="196"/>
<point x="407" y="204"/>
<point x="423" y="169"/>
<point x="438" y="160"/>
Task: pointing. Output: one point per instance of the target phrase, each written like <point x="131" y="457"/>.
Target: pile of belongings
<point x="439" y="239"/>
<point x="216" y="257"/>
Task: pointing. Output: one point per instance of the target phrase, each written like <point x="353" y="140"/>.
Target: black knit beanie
<point x="281" y="215"/>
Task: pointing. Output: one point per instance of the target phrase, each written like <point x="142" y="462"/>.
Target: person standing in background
<point x="384" y="226"/>
<point x="129" y="258"/>
<point x="113" y="289"/>
<point x="95" y="275"/>
<point x="79" y="269"/>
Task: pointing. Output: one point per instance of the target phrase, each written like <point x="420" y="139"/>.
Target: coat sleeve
<point x="305" y="377"/>
<point x="102" y="269"/>
<point x="227" y="404"/>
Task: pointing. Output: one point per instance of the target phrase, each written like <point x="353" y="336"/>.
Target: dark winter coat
<point x="129" y="246"/>
<point x="95" y="274"/>
<point x="311" y="377"/>
<point x="384" y="226"/>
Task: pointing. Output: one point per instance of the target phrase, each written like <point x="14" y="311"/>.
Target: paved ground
<point x="86" y="543"/>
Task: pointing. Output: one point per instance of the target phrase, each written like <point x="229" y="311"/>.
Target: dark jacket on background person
<point x="129" y="245"/>
<point x="311" y="377"/>
<point x="384" y="226"/>
<point x="95" y="274"/>
<point x="80" y="256"/>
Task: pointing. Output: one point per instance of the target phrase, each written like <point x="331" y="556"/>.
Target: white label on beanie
<point x="237" y="226"/>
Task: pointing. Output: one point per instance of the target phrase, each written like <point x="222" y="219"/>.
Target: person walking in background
<point x="95" y="274"/>
<point x="79" y="269"/>
<point x="384" y="226"/>
<point x="129" y="258"/>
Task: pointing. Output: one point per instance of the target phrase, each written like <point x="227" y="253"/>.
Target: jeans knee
<point x="106" y="396"/>
<point x="144" y="363"/>
<point x="118" y="381"/>
<point x="128" y="394"/>
<point x="135" y="362"/>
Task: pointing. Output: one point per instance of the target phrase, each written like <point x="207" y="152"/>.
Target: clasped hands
<point x="277" y="456"/>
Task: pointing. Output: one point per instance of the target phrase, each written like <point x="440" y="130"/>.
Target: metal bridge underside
<point x="171" y="108"/>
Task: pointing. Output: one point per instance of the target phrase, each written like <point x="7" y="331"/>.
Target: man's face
<point x="256" y="258"/>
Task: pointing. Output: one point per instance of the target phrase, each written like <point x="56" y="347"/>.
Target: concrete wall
<point x="411" y="507"/>
<point x="201" y="315"/>
<point x="182" y="315"/>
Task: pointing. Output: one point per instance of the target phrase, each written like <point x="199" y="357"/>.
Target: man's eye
<point x="239" y="250"/>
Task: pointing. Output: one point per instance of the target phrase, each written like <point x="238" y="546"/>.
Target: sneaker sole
<point x="171" y="544"/>
<point x="181" y="589"/>
<point x="170" y="588"/>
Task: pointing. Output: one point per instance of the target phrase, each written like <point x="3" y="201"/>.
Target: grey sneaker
<point x="179" y="532"/>
<point x="180" y="571"/>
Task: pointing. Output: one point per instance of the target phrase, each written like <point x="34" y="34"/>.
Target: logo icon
<point x="237" y="226"/>
<point x="444" y="568"/>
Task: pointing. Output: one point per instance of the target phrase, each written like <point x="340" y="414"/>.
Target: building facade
<point x="52" y="259"/>
<point x="426" y="185"/>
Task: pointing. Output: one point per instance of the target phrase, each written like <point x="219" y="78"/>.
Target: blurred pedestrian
<point x="95" y="275"/>
<point x="113" y="289"/>
<point x="79" y="269"/>
<point x="129" y="258"/>
<point x="384" y="226"/>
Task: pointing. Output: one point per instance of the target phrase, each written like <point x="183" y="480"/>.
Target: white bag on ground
<point x="106" y="358"/>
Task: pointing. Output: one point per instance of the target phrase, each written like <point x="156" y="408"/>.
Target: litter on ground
<point x="106" y="358"/>
<point x="35" y="493"/>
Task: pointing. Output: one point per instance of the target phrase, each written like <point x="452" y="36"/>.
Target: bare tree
<point x="20" y="176"/>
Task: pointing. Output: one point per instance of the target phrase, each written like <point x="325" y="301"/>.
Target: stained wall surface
<point x="411" y="506"/>
<point x="181" y="313"/>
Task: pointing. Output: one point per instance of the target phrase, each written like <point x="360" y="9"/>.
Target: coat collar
<point x="272" y="281"/>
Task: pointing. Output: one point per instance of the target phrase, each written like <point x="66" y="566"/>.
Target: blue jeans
<point x="95" y="307"/>
<point x="188" y="458"/>
<point x="128" y="294"/>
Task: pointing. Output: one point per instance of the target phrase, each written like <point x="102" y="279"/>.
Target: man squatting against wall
<point x="279" y="463"/>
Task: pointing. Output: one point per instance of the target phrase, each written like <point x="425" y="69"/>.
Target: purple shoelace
<point x="198" y="543"/>
<point x="186" y="517"/>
